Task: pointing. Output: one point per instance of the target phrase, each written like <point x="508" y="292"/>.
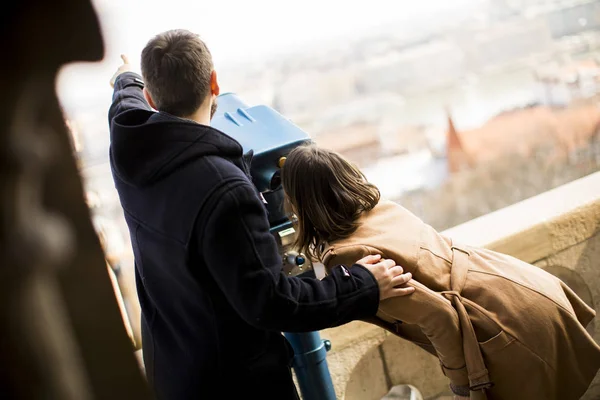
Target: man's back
<point x="191" y="333"/>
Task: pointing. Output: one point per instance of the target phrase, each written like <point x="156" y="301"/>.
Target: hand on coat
<point x="389" y="276"/>
<point x="126" y="67"/>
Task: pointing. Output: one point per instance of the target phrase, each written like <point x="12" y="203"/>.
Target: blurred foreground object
<point x="61" y="329"/>
<point x="113" y="245"/>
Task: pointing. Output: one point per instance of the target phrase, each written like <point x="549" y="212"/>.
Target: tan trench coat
<point x="503" y="327"/>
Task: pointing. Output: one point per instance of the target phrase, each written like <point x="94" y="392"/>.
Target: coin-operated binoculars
<point x="271" y="137"/>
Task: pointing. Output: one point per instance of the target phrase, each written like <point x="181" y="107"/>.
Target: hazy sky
<point x="233" y="29"/>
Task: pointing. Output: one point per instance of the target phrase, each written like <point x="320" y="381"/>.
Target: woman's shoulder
<point x="377" y="227"/>
<point x="388" y="212"/>
<point x="389" y="230"/>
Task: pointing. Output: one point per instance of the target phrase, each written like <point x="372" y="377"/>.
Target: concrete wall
<point x="558" y="231"/>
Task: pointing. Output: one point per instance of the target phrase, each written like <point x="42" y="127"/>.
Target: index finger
<point x="372" y="259"/>
<point x="125" y="59"/>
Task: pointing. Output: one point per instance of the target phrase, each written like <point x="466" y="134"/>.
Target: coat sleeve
<point x="431" y="311"/>
<point x="127" y="95"/>
<point x="242" y="256"/>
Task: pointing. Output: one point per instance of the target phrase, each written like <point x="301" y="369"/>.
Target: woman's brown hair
<point x="327" y="194"/>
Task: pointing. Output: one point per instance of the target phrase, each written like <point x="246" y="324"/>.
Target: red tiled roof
<point x="523" y="130"/>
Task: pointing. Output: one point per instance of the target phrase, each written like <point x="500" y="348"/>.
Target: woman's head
<point x="327" y="194"/>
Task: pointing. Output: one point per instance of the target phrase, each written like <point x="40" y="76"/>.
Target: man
<point x="213" y="295"/>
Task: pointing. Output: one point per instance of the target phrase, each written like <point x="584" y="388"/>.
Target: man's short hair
<point x="177" y="66"/>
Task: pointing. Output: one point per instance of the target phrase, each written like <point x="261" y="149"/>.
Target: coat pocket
<point x="516" y="372"/>
<point x="496" y="343"/>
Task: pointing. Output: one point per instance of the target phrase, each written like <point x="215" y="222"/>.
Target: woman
<point x="501" y="328"/>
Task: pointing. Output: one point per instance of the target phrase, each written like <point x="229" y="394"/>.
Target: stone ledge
<point x="348" y="334"/>
<point x="540" y="226"/>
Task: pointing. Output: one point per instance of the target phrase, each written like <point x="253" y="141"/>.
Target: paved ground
<point x="407" y="392"/>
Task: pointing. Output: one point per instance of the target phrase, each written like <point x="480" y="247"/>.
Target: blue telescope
<point x="271" y="137"/>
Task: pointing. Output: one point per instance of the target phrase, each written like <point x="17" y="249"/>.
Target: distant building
<point x="457" y="155"/>
<point x="475" y="48"/>
<point x="501" y="44"/>
<point x="358" y="142"/>
<point x="312" y="91"/>
<point x="501" y="9"/>
<point x="575" y="19"/>
<point x="414" y="69"/>
<point x="561" y="85"/>
<point x="523" y="132"/>
<point x="369" y="128"/>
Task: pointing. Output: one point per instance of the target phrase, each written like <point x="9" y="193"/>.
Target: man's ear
<point x="214" y="84"/>
<point x="148" y="98"/>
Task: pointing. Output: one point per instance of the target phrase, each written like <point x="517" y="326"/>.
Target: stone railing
<point x="558" y="231"/>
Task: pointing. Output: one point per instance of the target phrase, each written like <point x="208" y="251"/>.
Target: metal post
<point x="310" y="365"/>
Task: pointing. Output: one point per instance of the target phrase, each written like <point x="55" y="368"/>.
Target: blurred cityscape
<point x="456" y="117"/>
<point x="453" y="117"/>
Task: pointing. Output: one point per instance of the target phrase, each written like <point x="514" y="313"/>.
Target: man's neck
<point x="201" y="116"/>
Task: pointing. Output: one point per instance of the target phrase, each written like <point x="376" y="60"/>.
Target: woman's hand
<point x="389" y="276"/>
